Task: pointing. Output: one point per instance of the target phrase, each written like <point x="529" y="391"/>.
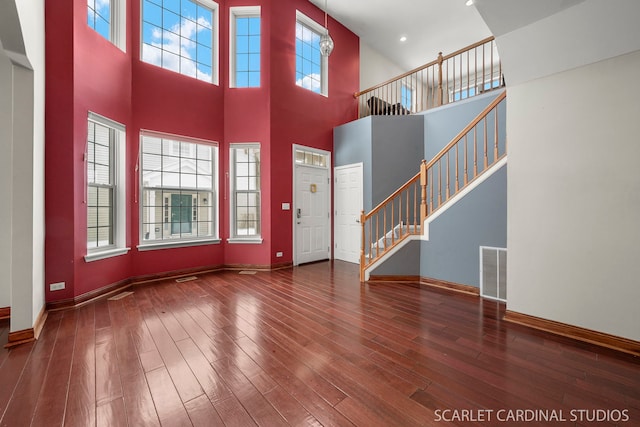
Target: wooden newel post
<point x="423" y="193"/>
<point x="440" y="61"/>
<point x="362" y="246"/>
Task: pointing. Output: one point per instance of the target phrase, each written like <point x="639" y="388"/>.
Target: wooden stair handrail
<point x="392" y="196"/>
<point x="471" y="46"/>
<point x="466" y="130"/>
<point x="437" y="61"/>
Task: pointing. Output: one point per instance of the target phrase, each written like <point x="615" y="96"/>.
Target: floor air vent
<point x="186" y="279"/>
<point x="120" y="296"/>
<point x="493" y="273"/>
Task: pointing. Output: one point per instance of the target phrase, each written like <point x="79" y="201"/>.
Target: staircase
<point x="460" y="165"/>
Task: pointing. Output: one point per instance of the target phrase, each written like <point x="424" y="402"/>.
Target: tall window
<point x="178" y="189"/>
<point x="181" y="36"/>
<point x="311" y="66"/>
<point x="101" y="186"/>
<point x="99" y="17"/>
<point x="245" y="47"/>
<point x="105" y="187"/>
<point x="107" y="18"/>
<point x="245" y="191"/>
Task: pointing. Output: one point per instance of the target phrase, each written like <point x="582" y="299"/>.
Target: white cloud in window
<point x="180" y="47"/>
<point x="311" y="82"/>
<point x="101" y="6"/>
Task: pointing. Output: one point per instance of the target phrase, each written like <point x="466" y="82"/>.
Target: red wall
<point x="299" y="116"/>
<point x="87" y="73"/>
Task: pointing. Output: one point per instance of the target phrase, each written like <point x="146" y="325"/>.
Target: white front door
<point x="311" y="214"/>
<point x="348" y="204"/>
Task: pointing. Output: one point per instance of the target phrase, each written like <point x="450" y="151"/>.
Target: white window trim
<point x="186" y="242"/>
<point x="324" y="67"/>
<point x="120" y="198"/>
<point x="245" y="240"/>
<point x="119" y="24"/>
<point x="241" y="12"/>
<point x="255" y="239"/>
<point x="177" y="244"/>
<point x="215" y="43"/>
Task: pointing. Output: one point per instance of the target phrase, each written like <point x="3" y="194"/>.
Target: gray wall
<point x="352" y="144"/>
<point x="478" y="219"/>
<point x="442" y="124"/>
<point x="398" y="145"/>
<point x="391" y="146"/>
<point x="405" y="262"/>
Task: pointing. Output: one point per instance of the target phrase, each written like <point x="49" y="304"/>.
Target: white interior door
<point x="348" y="203"/>
<point x="311" y="214"/>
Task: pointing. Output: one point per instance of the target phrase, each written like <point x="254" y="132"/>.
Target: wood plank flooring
<point x="306" y="346"/>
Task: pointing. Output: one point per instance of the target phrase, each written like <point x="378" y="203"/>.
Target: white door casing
<point x="348" y="204"/>
<point x="311" y="214"/>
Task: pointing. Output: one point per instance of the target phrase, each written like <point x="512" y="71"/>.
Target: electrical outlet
<point x="278" y="254"/>
<point x="56" y="286"/>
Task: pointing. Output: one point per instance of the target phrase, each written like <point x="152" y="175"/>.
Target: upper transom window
<point x="107" y="18"/>
<point x="99" y="17"/>
<point x="244" y="61"/>
<point x="311" y="66"/>
<point x="181" y="36"/>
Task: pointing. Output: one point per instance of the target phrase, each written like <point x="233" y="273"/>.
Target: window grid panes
<point x="178" y="35"/>
<point x="99" y="17"/>
<point x="246" y="191"/>
<point x="247" y="56"/>
<point x="100" y="186"/>
<point x="471" y="91"/>
<point x="311" y="158"/>
<point x="308" y="58"/>
<point x="177" y="190"/>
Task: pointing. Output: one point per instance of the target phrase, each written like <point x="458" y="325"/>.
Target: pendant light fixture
<point x="326" y="42"/>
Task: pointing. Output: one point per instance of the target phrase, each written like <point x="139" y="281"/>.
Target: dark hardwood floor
<point x="306" y="346"/>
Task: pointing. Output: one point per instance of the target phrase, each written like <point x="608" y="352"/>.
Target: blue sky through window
<point x="308" y="58"/>
<point x="469" y="92"/>
<point x="247" y="51"/>
<point x="99" y="17"/>
<point x="178" y="36"/>
<point x="406" y="96"/>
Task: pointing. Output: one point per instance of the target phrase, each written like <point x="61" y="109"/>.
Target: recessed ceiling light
<point x="469" y="2"/>
<point x="403" y="38"/>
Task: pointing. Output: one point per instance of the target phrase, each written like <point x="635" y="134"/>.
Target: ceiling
<point x="431" y="26"/>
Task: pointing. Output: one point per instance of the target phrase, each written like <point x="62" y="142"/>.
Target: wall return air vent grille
<point x="493" y="273"/>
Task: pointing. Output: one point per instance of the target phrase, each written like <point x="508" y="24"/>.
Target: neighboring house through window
<point x="244" y="61"/>
<point x="105" y="193"/>
<point x="108" y="18"/>
<point x="245" y="193"/>
<point x="181" y="36"/>
<point x="311" y="66"/>
<point x="178" y="191"/>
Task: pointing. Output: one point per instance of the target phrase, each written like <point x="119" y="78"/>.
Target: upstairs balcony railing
<point x="463" y="74"/>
